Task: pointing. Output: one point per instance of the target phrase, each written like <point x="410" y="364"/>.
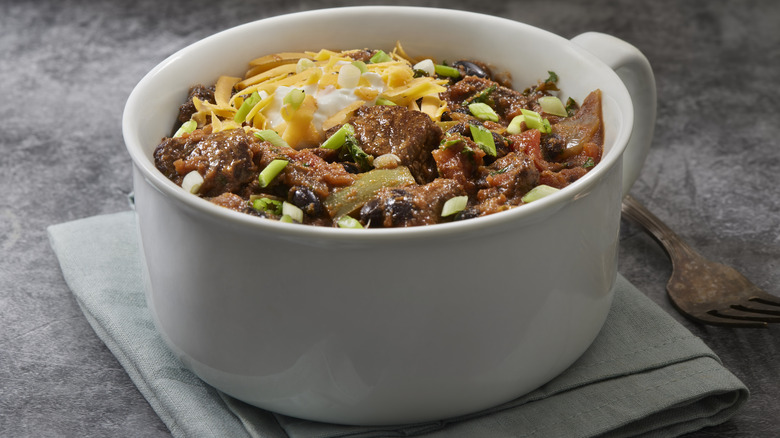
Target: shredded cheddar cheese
<point x="326" y="103"/>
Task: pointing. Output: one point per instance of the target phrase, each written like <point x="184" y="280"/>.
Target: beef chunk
<point x="187" y="109"/>
<point x="225" y="160"/>
<point x="411" y="135"/>
<point x="505" y="182"/>
<point x="459" y="161"/>
<point x="236" y="203"/>
<point x="505" y="101"/>
<point x="409" y="206"/>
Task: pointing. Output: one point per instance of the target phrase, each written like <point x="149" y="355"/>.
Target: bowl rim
<point x="529" y="212"/>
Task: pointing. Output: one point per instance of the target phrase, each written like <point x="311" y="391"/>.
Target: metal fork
<point x="703" y="290"/>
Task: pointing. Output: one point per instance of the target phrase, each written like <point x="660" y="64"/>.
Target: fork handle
<point x="675" y="247"/>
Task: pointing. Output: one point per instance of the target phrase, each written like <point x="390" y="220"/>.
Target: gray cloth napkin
<point x="645" y="375"/>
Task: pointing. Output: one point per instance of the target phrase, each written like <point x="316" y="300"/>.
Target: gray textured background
<point x="67" y="66"/>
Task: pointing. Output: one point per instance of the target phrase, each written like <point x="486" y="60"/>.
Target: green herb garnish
<point x="483" y="96"/>
<point x="589" y="163"/>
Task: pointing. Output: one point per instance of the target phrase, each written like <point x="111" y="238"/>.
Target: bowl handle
<point x="634" y="70"/>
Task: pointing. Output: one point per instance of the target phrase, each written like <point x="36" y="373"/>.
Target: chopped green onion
<point x="294" y="98"/>
<point x="553" y="105"/>
<point x="534" y="120"/>
<point x="272" y="137"/>
<point x="426" y="66"/>
<point x="516" y="125"/>
<point x="538" y="192"/>
<point x="268" y="205"/>
<point x="192" y="182"/>
<point x="339" y="137"/>
<point x="304" y="64"/>
<point x="271" y="170"/>
<point x="349" y="76"/>
<point x="186" y="128"/>
<point x="291" y="211"/>
<point x="361" y="66"/>
<point x="347" y="221"/>
<point x="286" y="219"/>
<point x="384" y="101"/>
<point x="380" y="56"/>
<point x="446" y="71"/>
<point x="484" y="139"/>
<point x="247" y="106"/>
<point x="483" y="111"/>
<point x="454" y="205"/>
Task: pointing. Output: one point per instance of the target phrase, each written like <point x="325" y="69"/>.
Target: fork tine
<point x="707" y="318"/>
<point x="745" y="315"/>
<point x="766" y="298"/>
<point x="755" y="305"/>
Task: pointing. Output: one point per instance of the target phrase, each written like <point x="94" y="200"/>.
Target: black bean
<point x="305" y="199"/>
<point x="469" y="68"/>
<point x="372" y="214"/>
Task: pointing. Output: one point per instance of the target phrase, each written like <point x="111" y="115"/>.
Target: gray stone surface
<point x="67" y="66"/>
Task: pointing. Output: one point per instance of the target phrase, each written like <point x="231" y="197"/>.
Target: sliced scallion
<point x="192" y="182"/>
<point x="304" y="64"/>
<point x="553" y="105"/>
<point x="361" y="66"/>
<point x="516" y="125"/>
<point x="538" y="192"/>
<point x="186" y="128"/>
<point x="292" y="211"/>
<point x="348" y="222"/>
<point x="484" y="139"/>
<point x="454" y="205"/>
<point x="427" y="66"/>
<point x="483" y="111"/>
<point x="271" y="171"/>
<point x="534" y="120"/>
<point x="380" y="56"/>
<point x="349" y="76"/>
<point x="294" y="98"/>
<point x="384" y="101"/>
<point x="267" y="205"/>
<point x="272" y="137"/>
<point x="247" y="106"/>
<point x="338" y="138"/>
<point x="447" y="71"/>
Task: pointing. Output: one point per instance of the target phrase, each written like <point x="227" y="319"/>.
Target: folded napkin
<point x="644" y="375"/>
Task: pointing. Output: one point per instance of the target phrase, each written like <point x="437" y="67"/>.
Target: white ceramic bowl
<point x="386" y="326"/>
